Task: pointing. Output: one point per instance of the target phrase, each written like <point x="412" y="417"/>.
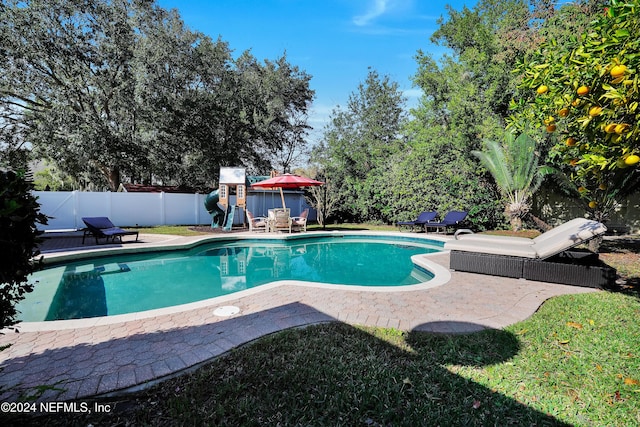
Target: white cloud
<point x="413" y="93"/>
<point x="376" y="9"/>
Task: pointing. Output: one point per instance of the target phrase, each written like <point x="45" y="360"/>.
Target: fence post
<point x="196" y="198"/>
<point x="163" y="214"/>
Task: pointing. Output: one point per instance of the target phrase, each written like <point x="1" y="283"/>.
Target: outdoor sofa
<point x="102" y="227"/>
<point x="548" y="257"/>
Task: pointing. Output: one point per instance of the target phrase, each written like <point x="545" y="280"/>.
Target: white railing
<point x="65" y="209"/>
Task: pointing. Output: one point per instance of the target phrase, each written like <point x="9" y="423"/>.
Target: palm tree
<point x="514" y="167"/>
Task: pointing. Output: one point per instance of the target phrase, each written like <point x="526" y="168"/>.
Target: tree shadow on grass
<point x="336" y="374"/>
<point x="328" y="374"/>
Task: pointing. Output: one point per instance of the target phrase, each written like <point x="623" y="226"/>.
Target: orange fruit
<point x="563" y="112"/>
<point x="542" y="89"/>
<point x="622" y="128"/>
<point x="576" y="102"/>
<point x="610" y="128"/>
<point x="632" y="160"/>
<point x="583" y="90"/>
<point x="602" y="186"/>
<point x="551" y="127"/>
<point x="571" y="141"/>
<point x="618" y="71"/>
<point x="581" y="189"/>
<point x="593" y="204"/>
<point x="595" y="111"/>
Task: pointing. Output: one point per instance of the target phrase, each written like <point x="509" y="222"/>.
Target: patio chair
<point x="422" y="219"/>
<point x="256" y="223"/>
<point x="451" y="219"/>
<point x="102" y="227"/>
<point x="279" y="219"/>
<point x="300" y="222"/>
<point x="550" y="258"/>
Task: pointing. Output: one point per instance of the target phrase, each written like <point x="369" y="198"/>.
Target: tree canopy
<point x="427" y="162"/>
<point x="125" y="89"/>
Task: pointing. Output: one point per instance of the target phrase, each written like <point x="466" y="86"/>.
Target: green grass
<point x="575" y="362"/>
<point x="354" y="226"/>
<point x="176" y="230"/>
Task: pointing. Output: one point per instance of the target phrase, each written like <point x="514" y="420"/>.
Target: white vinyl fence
<point x="65" y="209"/>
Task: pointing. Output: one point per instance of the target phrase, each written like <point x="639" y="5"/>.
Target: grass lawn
<point x="575" y="362"/>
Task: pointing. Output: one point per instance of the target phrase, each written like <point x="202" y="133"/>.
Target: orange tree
<point x="585" y="95"/>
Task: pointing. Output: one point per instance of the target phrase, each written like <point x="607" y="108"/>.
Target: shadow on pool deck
<point x="96" y="359"/>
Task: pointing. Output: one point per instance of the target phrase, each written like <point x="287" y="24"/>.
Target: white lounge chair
<point x="545" y="258"/>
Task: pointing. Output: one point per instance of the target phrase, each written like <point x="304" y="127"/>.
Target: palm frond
<point x="494" y="159"/>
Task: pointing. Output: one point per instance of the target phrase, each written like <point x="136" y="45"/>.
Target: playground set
<point x="230" y="178"/>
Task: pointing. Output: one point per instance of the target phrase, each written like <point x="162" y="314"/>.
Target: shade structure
<point x="289" y="181"/>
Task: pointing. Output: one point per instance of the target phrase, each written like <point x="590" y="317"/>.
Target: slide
<point x="229" y="222"/>
<point x="211" y="205"/>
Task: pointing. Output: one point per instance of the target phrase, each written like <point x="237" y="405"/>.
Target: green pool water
<point x="131" y="283"/>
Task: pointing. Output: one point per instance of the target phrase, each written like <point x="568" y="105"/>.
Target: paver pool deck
<point x="84" y="358"/>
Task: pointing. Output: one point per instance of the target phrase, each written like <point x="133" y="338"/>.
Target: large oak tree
<point x="124" y="88"/>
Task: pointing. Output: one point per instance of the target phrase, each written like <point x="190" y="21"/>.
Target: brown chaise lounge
<point x="546" y="258"/>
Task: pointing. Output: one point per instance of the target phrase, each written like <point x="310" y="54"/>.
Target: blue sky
<point x="335" y="41"/>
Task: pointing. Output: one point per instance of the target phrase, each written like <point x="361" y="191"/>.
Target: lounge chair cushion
<point x="574" y="224"/>
<point x="492" y="247"/>
<point x="544" y="246"/>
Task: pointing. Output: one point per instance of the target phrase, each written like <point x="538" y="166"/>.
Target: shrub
<point x="19" y="214"/>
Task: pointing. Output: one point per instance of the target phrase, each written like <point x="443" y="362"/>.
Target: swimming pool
<point x="129" y="283"/>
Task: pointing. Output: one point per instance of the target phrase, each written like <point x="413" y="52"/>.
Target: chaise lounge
<point x="102" y="227"/>
<point x="451" y="219"/>
<point x="422" y="219"/>
<point x="547" y="258"/>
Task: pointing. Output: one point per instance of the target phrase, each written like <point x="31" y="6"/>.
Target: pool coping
<point x="440" y="274"/>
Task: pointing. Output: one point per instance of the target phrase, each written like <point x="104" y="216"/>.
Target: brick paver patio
<point x="92" y="358"/>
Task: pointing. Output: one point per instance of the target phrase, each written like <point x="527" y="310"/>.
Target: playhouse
<point x="230" y="179"/>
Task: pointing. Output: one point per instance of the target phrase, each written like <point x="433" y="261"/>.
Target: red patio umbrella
<point x="287" y="180"/>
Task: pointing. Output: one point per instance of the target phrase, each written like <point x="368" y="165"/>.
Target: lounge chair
<point x="256" y="223"/>
<point x="422" y="219"/>
<point x="102" y="227"/>
<point x="300" y="222"/>
<point x="451" y="219"/>
<point x="546" y="258"/>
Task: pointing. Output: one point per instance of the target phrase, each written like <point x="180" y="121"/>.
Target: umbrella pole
<point x="282" y="197"/>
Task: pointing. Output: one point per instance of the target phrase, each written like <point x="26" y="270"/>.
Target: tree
<point x="514" y="167"/>
<point x="69" y="71"/>
<point x="360" y="140"/>
<point x="19" y="214"/>
<point x="586" y="90"/>
<point x="325" y="199"/>
<point x="126" y="89"/>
